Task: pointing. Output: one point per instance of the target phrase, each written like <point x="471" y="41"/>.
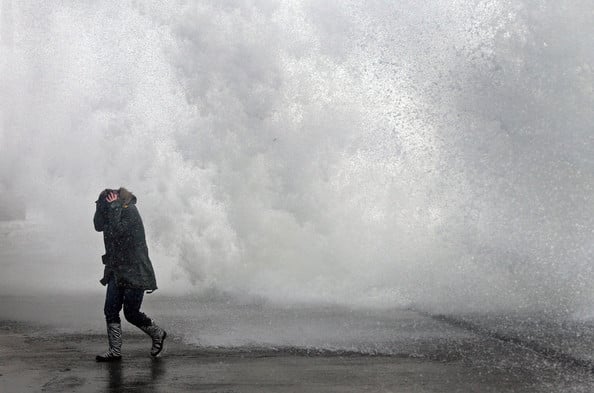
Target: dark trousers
<point x="130" y="299"/>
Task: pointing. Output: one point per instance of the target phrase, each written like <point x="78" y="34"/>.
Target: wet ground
<point x="36" y="358"/>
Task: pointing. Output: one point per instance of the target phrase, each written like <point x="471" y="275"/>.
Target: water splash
<point x="369" y="153"/>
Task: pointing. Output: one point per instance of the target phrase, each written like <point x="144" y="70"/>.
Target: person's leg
<point x="114" y="298"/>
<point x="132" y="302"/>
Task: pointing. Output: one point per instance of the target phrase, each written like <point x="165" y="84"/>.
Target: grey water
<point x="223" y="323"/>
<point x="225" y="326"/>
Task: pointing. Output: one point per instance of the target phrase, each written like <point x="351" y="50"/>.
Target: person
<point x="128" y="271"/>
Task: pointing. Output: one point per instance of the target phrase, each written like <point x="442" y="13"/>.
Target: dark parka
<point x="126" y="253"/>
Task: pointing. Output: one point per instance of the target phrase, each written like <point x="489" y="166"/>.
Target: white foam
<point x="358" y="153"/>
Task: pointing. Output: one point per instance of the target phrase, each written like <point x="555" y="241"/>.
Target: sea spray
<point x="366" y="153"/>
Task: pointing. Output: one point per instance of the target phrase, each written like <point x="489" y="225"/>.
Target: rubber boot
<point x="158" y="336"/>
<point x="114" y="336"/>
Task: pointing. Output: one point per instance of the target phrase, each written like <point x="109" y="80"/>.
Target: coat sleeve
<point x="99" y="219"/>
<point x="120" y="224"/>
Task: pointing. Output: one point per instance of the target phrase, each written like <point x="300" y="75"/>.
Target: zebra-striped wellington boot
<point x="158" y="336"/>
<point x="114" y="336"/>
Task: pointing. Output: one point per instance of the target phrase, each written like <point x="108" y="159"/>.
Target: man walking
<point x="128" y="270"/>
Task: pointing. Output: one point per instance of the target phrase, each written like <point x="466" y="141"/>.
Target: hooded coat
<point x="126" y="256"/>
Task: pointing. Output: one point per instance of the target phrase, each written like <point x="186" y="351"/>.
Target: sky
<point x="371" y="153"/>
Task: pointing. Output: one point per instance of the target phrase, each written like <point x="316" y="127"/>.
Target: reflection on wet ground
<point x="35" y="358"/>
<point x="120" y="375"/>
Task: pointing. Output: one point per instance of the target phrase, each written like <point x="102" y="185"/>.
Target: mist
<point x="367" y="153"/>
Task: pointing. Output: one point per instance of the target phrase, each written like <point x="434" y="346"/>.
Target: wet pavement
<point x="37" y="358"/>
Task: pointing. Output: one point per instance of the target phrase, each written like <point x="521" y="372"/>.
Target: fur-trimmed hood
<point x="126" y="196"/>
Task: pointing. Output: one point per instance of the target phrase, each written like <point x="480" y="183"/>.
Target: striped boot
<point x="114" y="336"/>
<point x="158" y="336"/>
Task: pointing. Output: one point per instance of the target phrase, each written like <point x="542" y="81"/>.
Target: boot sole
<point x="162" y="351"/>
